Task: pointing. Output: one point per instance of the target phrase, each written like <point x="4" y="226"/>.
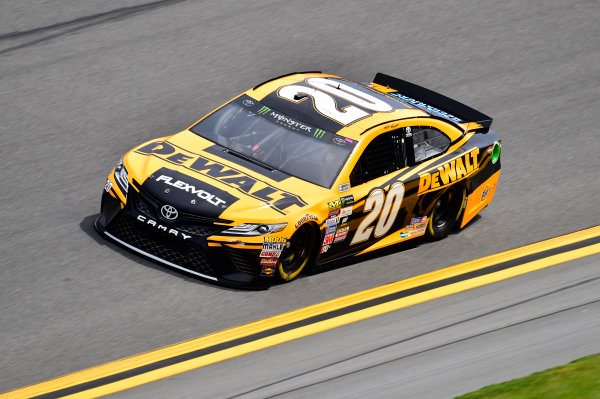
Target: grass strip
<point x="578" y="379"/>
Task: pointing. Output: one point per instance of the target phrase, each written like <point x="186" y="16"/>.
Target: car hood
<point x="197" y="176"/>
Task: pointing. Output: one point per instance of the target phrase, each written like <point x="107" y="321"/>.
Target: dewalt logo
<point x="450" y="172"/>
<point x="278" y="199"/>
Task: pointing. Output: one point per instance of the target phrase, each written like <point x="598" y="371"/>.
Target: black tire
<point x="446" y="213"/>
<point x="298" y="253"/>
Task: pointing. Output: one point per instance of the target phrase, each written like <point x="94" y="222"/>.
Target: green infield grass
<point x="579" y="379"/>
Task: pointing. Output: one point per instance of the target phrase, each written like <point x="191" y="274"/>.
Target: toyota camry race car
<point x="299" y="171"/>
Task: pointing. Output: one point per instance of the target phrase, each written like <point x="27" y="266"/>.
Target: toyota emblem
<point x="169" y="212"/>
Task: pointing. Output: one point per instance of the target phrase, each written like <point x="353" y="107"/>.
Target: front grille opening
<point x="203" y="231"/>
<point x="161" y="245"/>
<point x="109" y="204"/>
<point x="144" y="207"/>
<point x="243" y="261"/>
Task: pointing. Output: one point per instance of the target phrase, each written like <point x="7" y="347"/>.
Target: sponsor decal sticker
<point x="333" y="213"/>
<point x="344" y="187"/>
<point x="340" y="238"/>
<point x="344" y="220"/>
<point x="415" y="220"/>
<point x="426" y="107"/>
<point x="347" y="211"/>
<point x="403" y="234"/>
<point x="264" y="110"/>
<point x="270" y="254"/>
<point x="347" y="200"/>
<point x="341" y="235"/>
<point x="274" y="244"/>
<point x="417" y="232"/>
<point x="267" y="271"/>
<point x="343" y="228"/>
<point x="268" y="261"/>
<point x="288" y="122"/>
<point x="204" y="195"/>
<point x="486" y="190"/>
<point x="319" y="133"/>
<point x="325" y="248"/>
<point x="420" y="226"/>
<point x="332" y="222"/>
<point x="330" y="230"/>
<point x="304" y="219"/>
<point x="328" y="239"/>
<point x="334" y="205"/>
<point x="275" y="239"/>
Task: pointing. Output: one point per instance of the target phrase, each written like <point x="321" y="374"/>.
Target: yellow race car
<point x="299" y="171"/>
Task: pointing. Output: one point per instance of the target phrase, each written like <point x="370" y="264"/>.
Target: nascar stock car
<point x="299" y="171"/>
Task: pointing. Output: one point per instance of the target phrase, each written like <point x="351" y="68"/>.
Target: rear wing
<point x="434" y="103"/>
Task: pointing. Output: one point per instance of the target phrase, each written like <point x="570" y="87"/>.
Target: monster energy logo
<point x="319" y="133"/>
<point x="263" y="110"/>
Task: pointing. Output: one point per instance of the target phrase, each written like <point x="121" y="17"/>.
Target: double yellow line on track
<point x="154" y="365"/>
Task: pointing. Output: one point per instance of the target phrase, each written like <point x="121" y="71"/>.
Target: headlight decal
<point x="122" y="177"/>
<point x="249" y="229"/>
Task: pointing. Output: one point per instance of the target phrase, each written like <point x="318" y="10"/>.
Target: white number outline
<point x="386" y="207"/>
<point x="322" y="95"/>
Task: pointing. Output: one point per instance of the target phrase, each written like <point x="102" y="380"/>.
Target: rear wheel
<point x="297" y="253"/>
<point x="446" y="212"/>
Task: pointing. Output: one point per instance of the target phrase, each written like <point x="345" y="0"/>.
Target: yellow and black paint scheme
<point x="187" y="201"/>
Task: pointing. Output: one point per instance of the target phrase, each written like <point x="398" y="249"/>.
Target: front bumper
<point x="184" y="245"/>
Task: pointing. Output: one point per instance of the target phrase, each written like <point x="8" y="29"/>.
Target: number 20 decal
<point x="325" y="104"/>
<point x="378" y="203"/>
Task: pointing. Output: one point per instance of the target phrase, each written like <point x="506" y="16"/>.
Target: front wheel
<point x="297" y="253"/>
<point x="446" y="212"/>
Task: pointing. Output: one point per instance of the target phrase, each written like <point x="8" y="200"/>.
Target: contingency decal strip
<point x="161" y="363"/>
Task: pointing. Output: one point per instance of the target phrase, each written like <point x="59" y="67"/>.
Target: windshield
<point x="276" y="140"/>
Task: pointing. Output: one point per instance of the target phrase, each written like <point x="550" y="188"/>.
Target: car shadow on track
<point x="392" y="249"/>
<point x="87" y="226"/>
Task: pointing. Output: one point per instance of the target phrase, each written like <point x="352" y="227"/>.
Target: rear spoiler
<point x="434" y="103"/>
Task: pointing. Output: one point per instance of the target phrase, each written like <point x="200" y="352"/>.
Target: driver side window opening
<point x="382" y="156"/>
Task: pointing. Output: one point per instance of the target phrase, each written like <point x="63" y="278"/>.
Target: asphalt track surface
<point x="434" y="350"/>
<point x="83" y="83"/>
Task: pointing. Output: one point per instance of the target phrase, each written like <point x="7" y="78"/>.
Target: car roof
<point x="268" y="94"/>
